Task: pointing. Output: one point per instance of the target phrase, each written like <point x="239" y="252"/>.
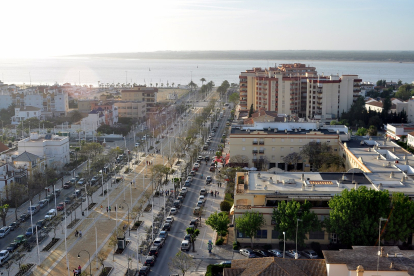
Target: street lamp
<point x="379" y="240"/>
<point x="296" y="253"/>
<point x="284" y="244"/>
<point x="129" y="228"/>
<point x="90" y="266"/>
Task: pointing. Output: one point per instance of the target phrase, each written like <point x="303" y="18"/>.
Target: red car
<point x="67" y="185"/>
<point x="60" y="206"/>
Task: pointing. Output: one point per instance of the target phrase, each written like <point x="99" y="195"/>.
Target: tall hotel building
<point x="298" y="90"/>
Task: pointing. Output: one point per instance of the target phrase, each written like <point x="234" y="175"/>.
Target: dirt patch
<point x="24" y="269"/>
<point x="106" y="271"/>
<point x="73" y="223"/>
<point x="91" y="205"/>
<point x="148" y="208"/>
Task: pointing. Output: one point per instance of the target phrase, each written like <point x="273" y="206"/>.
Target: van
<point x="33" y="209"/>
<point x="185" y="245"/>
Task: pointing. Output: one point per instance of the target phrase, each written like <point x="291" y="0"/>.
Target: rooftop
<point x="26" y="157"/>
<point x="367" y="257"/>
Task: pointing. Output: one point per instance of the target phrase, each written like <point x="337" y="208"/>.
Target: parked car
<point x="4" y="255"/>
<point x="203" y="192"/>
<point x="184" y="189"/>
<point x="150" y="260"/>
<point x="180" y="198"/>
<point x="82" y="181"/>
<point x="196" y="211"/>
<point x="185" y="245"/>
<point x="276" y="253"/>
<point x="51" y="214"/>
<point x="12" y="247"/>
<point x="153" y="251"/>
<point x="43" y="203"/>
<point x="202" y="198"/>
<point x="4" y="231"/>
<point x="247" y="252"/>
<point x="207" y="158"/>
<point x="24" y="217"/>
<point x="190" y="178"/>
<point x="212" y="168"/>
<point x="177" y="204"/>
<point x="187" y="183"/>
<point x="192" y="173"/>
<point x="50" y="197"/>
<point x="20" y="239"/>
<point x="14" y="225"/>
<point x="310" y="254"/>
<point x="194" y="222"/>
<point x="77" y="193"/>
<point x="224" y="263"/>
<point x="261" y="253"/>
<point x="166" y="227"/>
<point x="68" y="200"/>
<point x="187" y="237"/>
<point x="94" y="179"/>
<point x="31" y="230"/>
<point x="67" y="185"/>
<point x="163" y="235"/>
<point x="60" y="206"/>
<point x="291" y="253"/>
<point x="159" y="242"/>
<point x="200" y="203"/>
<point x="144" y="270"/>
<point x="40" y="223"/>
<point x="170" y="220"/>
<point x="173" y="211"/>
<point x="73" y="181"/>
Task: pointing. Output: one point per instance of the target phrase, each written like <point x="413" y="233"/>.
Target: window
<point x="317" y="235"/>
<point x="273" y="140"/>
<point x="261" y="234"/>
<point x="335" y="149"/>
<point x="282" y="148"/>
<point x="273" y="149"/>
<point x="291" y="149"/>
<point x="244" y="139"/>
<point x="243" y="148"/>
<point x="275" y="234"/>
<point x="273" y="157"/>
<point x="242" y="235"/>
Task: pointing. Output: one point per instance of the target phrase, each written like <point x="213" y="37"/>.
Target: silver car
<point x="291" y="253"/>
<point x="310" y="254"/>
<point x="276" y="253"/>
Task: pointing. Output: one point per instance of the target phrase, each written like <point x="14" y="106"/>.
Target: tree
<point x="193" y="235"/>
<point x="386" y="106"/>
<point x="361" y="131"/>
<point x="315" y="151"/>
<point x="286" y="215"/>
<point x="292" y="158"/>
<point x="113" y="239"/>
<point x="404" y="92"/>
<point x="239" y="160"/>
<point x="17" y="193"/>
<point x="249" y="223"/>
<point x="181" y="262"/>
<point x="372" y="131"/>
<point x="3" y="212"/>
<point x="251" y="111"/>
<point x="355" y="214"/>
<point x="76" y="116"/>
<point x="219" y="222"/>
<point x="400" y="223"/>
<point x="202" y="80"/>
<point x="234" y="98"/>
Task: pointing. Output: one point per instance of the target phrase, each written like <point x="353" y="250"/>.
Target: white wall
<point x="337" y="270"/>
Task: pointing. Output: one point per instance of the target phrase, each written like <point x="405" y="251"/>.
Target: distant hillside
<point x="384" y="56"/>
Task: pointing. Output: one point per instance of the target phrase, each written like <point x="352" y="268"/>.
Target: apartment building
<point x="141" y="93"/>
<point x="132" y="109"/>
<point x="266" y="144"/>
<point x="54" y="148"/>
<point x="298" y="90"/>
<point x="52" y="100"/>
<point x="24" y="113"/>
<point x="378" y="164"/>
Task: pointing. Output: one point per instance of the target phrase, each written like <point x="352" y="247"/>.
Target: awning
<point x="232" y="210"/>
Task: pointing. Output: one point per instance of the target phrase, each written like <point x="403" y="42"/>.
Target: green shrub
<point x="316" y="246"/>
<point x="220" y="241"/>
<point x="281" y="244"/>
<point x="225" y="206"/>
<point x="236" y="245"/>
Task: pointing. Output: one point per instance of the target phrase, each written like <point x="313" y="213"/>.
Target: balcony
<point x="319" y="102"/>
<point x="261" y="151"/>
<point x="255" y="142"/>
<point x="319" y="91"/>
<point x="319" y="97"/>
<point x="261" y="142"/>
<point x="318" y="107"/>
<point x="254" y="151"/>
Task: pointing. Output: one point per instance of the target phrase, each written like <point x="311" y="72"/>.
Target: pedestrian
<point x="218" y="193"/>
<point x="215" y="194"/>
<point x="107" y="209"/>
<point x="115" y="208"/>
<point x="101" y="207"/>
<point x="79" y="269"/>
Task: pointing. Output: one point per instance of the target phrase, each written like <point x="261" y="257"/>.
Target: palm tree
<point x="172" y="84"/>
<point x="202" y="80"/>
<point x="162" y="85"/>
<point x="156" y="84"/>
<point x="151" y="84"/>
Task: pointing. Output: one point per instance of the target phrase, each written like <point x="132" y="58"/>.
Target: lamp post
<point x="379" y="240"/>
<point x="89" y="254"/>
<point x="284" y="244"/>
<point x="296" y="253"/>
<point x="129" y="228"/>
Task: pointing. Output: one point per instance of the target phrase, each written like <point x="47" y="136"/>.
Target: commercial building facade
<point x="131" y="109"/>
<point x="297" y="89"/>
<point x="141" y="93"/>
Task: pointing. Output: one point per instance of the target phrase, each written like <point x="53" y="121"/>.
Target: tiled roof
<point x="3" y="147"/>
<point x="26" y="157"/>
<point x="276" y="267"/>
<point x="411" y="133"/>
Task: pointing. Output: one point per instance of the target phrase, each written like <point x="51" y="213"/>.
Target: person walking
<point x="107" y="209"/>
<point x="101" y="207"/>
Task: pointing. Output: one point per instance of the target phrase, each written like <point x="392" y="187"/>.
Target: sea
<point x="91" y="71"/>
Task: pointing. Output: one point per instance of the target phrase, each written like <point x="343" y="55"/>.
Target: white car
<point x="170" y="220"/>
<point x="51" y="214"/>
<point x="310" y="254"/>
<point x="4" y="255"/>
<point x="173" y="211"/>
<point x="201" y="198"/>
<point x="4" y="231"/>
<point x="184" y="189"/>
<point x="190" y="178"/>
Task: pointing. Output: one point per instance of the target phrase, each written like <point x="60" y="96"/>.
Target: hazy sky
<point x="49" y="28"/>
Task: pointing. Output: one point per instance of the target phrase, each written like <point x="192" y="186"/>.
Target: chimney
<point x="360" y="270"/>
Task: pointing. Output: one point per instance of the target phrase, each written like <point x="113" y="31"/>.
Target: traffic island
<point x="50" y="244"/>
<point x="91" y="205"/>
<point x="136" y="225"/>
<point x="24" y="268"/>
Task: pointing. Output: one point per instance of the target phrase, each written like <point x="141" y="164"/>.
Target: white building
<point x="395" y="131"/>
<point x="52" y="147"/>
<point x="24" y="113"/>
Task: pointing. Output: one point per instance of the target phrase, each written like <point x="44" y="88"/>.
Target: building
<point x="132" y="109"/>
<point x="54" y="148"/>
<point x="141" y="93"/>
<point x="297" y="89"/>
<point x="266" y="144"/>
<point x="27" y="163"/>
<point x="262" y="116"/>
<point x="376" y="164"/>
<point x="24" y="113"/>
<point x="395" y="131"/>
<point x="365" y="261"/>
<point x="377" y="105"/>
<point x="271" y="266"/>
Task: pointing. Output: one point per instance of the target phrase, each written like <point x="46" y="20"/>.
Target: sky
<point x="46" y="28"/>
